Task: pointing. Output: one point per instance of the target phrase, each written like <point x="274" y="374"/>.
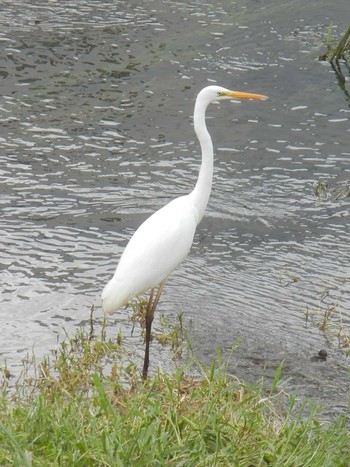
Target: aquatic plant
<point x="338" y="58"/>
<point x="340" y="50"/>
<point x="334" y="190"/>
<point x="329" y="318"/>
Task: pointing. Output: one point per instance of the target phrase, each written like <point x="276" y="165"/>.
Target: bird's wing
<point x="159" y="245"/>
<point x="161" y="242"/>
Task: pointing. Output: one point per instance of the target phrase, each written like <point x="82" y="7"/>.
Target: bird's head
<point x="216" y="93"/>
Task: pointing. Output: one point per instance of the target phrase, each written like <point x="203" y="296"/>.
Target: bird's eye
<point x="220" y="93"/>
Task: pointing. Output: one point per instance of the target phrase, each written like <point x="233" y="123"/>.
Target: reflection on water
<point x="95" y="112"/>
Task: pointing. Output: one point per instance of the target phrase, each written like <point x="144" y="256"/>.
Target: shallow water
<point x="96" y="134"/>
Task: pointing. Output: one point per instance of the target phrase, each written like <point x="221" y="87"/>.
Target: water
<point x="96" y="105"/>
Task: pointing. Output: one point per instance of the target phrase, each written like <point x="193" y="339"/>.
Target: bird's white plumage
<point x="159" y="245"/>
<point x="163" y="241"/>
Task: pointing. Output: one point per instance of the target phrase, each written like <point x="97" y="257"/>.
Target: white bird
<point x="163" y="241"/>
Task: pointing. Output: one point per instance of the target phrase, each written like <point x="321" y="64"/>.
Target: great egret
<point x="164" y="239"/>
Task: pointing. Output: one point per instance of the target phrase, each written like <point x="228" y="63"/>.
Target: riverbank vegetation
<point x="82" y="406"/>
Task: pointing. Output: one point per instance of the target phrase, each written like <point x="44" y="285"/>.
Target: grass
<point x="82" y="407"/>
<point x="172" y="335"/>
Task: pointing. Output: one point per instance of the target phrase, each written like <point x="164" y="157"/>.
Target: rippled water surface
<point x="96" y="133"/>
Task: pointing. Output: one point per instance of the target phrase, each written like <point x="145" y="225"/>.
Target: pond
<point x="96" y="114"/>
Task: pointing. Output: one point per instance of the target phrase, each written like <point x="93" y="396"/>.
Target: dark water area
<point x="96" y="133"/>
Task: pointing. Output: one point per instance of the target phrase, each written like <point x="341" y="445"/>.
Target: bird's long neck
<point x="200" y="194"/>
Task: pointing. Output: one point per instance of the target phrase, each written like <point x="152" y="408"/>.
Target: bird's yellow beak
<point x="244" y="95"/>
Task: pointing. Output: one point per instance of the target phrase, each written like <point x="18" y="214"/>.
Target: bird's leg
<point x="149" y="319"/>
<point x="156" y="300"/>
